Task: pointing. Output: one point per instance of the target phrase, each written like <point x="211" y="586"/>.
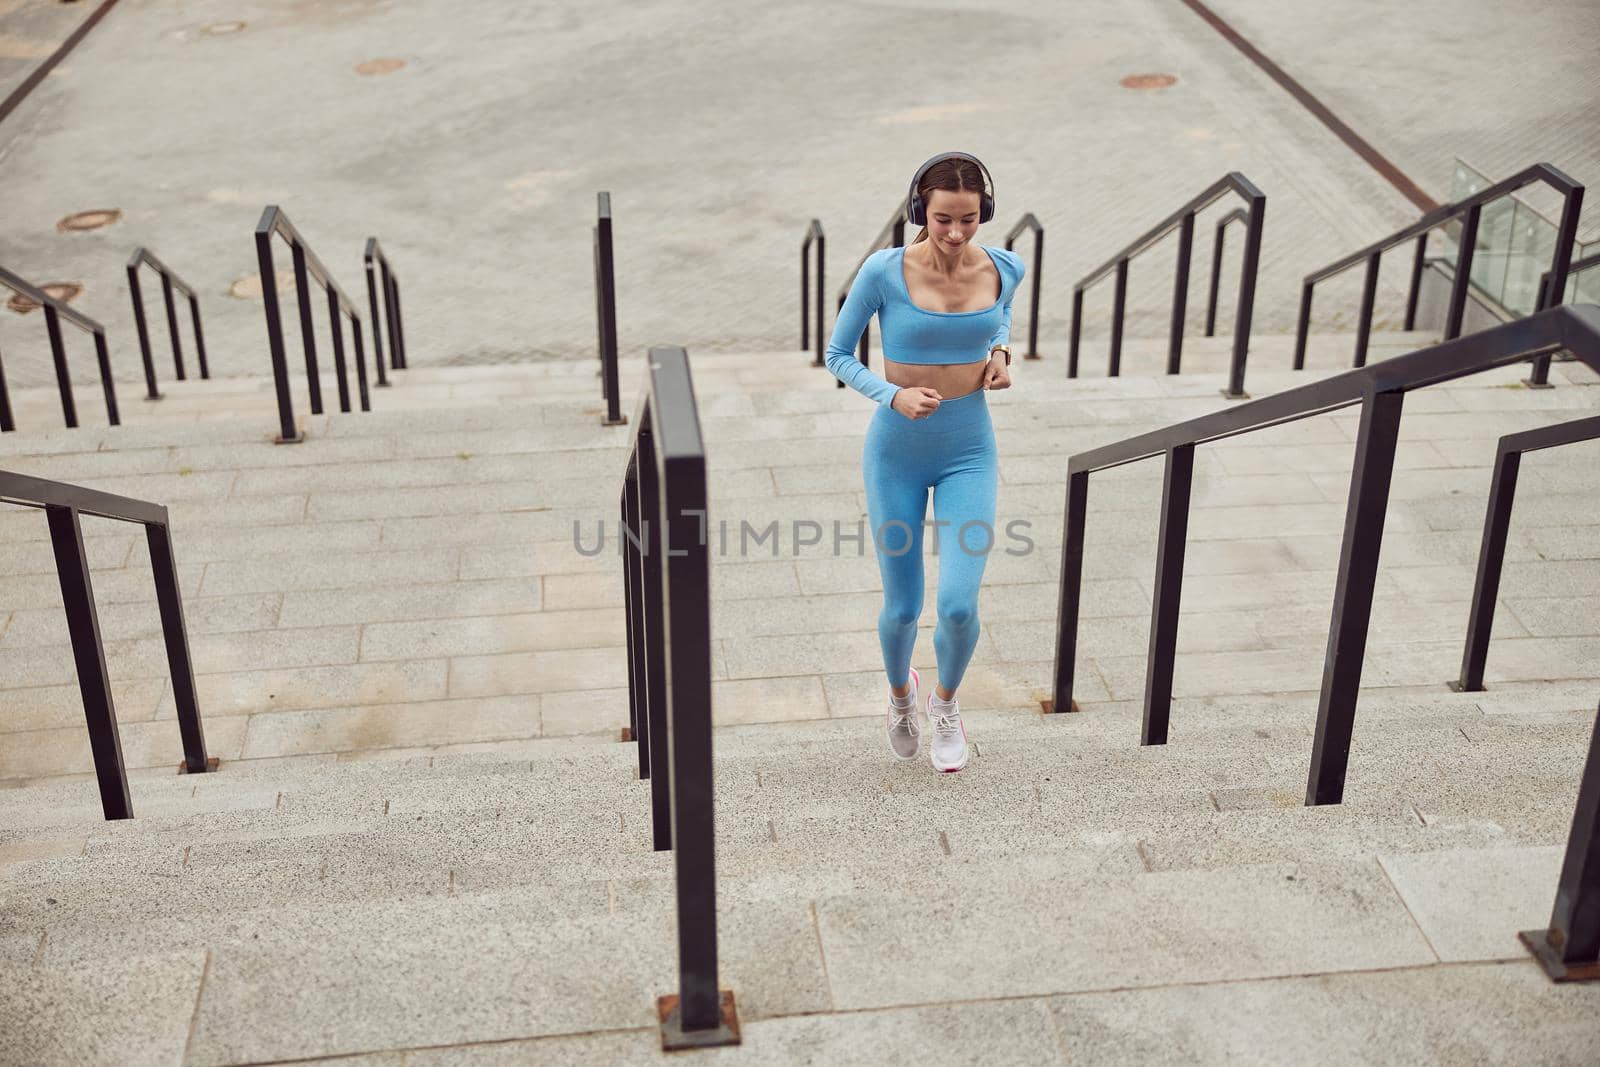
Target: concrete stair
<point x="426" y="845"/>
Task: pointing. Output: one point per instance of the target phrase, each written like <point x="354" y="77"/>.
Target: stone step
<point x="956" y="941"/>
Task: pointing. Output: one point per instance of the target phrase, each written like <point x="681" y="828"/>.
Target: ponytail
<point x="921" y="236"/>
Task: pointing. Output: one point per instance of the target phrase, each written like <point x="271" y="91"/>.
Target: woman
<point x="944" y="308"/>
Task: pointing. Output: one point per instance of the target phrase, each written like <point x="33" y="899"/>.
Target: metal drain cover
<point x="89" y="220"/>
<point x="1148" y="81"/>
<point x="380" y="66"/>
<point x="249" y="287"/>
<point x="62" y="291"/>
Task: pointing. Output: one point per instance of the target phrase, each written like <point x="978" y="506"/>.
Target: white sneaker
<point x="905" y="732"/>
<point x="949" y="749"/>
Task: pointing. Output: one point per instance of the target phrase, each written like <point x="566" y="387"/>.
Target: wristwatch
<point x="1001" y="348"/>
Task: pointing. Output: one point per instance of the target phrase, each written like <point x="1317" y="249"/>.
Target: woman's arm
<point x="1002" y="334"/>
<point x="865" y="298"/>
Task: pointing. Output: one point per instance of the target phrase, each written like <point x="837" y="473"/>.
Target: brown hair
<point x="955" y="175"/>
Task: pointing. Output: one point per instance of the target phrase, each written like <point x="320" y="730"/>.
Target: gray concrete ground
<point x="1499" y="86"/>
<point x="720" y="129"/>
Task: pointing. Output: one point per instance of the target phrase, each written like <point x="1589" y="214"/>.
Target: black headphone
<point x="917" y="209"/>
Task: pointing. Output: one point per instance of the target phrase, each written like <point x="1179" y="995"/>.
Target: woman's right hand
<point x="916" y="401"/>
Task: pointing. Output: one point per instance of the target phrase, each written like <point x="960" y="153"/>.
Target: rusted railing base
<point x="674" y="1037"/>
<point x="1549" y="957"/>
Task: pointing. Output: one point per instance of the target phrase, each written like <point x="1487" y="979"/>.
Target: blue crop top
<point x="912" y="334"/>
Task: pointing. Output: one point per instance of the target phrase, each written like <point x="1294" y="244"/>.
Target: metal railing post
<point x="1458" y="288"/>
<point x="1077" y="326"/>
<point x="1560" y="267"/>
<point x="1119" y="302"/>
<point x="1569" y="948"/>
<point x="397" y="326"/>
<point x="693" y="825"/>
<point x="1491" y="557"/>
<point x="1071" y="587"/>
<point x="1352" y="598"/>
<point x="94" y="683"/>
<point x="1415" y="288"/>
<point x="1028" y="222"/>
<point x="108" y="384"/>
<point x="1168" y="594"/>
<point x="7" y="423"/>
<point x="377" y="273"/>
<point x="633" y="609"/>
<point x="1302" y="326"/>
<point x="655" y="643"/>
<point x="608" y="316"/>
<point x="172" y="326"/>
<point x="361" y="361"/>
<point x="288" y="432"/>
<point x="1217" y="239"/>
<point x="1180" y="294"/>
<point x="1369" y="293"/>
<point x="813" y="237"/>
<point x="199" y="337"/>
<point x="151" y="392"/>
<point x="308" y="337"/>
<point x="58" y="354"/>
<point x="341" y="377"/>
<point x="1244" y="315"/>
<point x="169" y="599"/>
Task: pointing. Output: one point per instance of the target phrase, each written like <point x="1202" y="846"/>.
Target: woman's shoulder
<point x="1010" y="261"/>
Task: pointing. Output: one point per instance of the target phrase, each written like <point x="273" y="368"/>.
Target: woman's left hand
<point x="997" y="375"/>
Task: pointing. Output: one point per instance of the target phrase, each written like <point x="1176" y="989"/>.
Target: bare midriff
<point x="949" y="379"/>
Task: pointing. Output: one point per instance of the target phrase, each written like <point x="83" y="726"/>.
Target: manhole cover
<point x="88" y="220"/>
<point x="1147" y="81"/>
<point x="222" y="29"/>
<point x="62" y="291"/>
<point x="249" y="287"/>
<point x="380" y="66"/>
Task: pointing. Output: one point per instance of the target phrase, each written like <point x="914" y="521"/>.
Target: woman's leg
<point x="963" y="498"/>
<point x="897" y="504"/>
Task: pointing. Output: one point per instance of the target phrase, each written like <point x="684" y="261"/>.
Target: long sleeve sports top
<point x="912" y="334"/>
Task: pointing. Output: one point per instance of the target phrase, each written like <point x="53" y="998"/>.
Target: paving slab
<point x="1472" y="903"/>
<point x="104" y="1012"/>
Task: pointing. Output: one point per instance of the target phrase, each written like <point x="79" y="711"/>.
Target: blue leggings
<point x="951" y="452"/>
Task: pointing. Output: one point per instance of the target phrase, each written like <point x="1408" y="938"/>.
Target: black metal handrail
<point x="1028" y="222"/>
<point x="667" y="591"/>
<point x="605" y="295"/>
<point x="63" y="505"/>
<point x="1218" y="237"/>
<point x="377" y="269"/>
<point x="893" y="235"/>
<point x="306" y="265"/>
<point x="1569" y="948"/>
<point x="1496" y="525"/>
<point x="1380" y="389"/>
<point x="815" y="236"/>
<point x="1468" y="211"/>
<point x="169" y="281"/>
<point x="54" y="312"/>
<point x="1182" y="220"/>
